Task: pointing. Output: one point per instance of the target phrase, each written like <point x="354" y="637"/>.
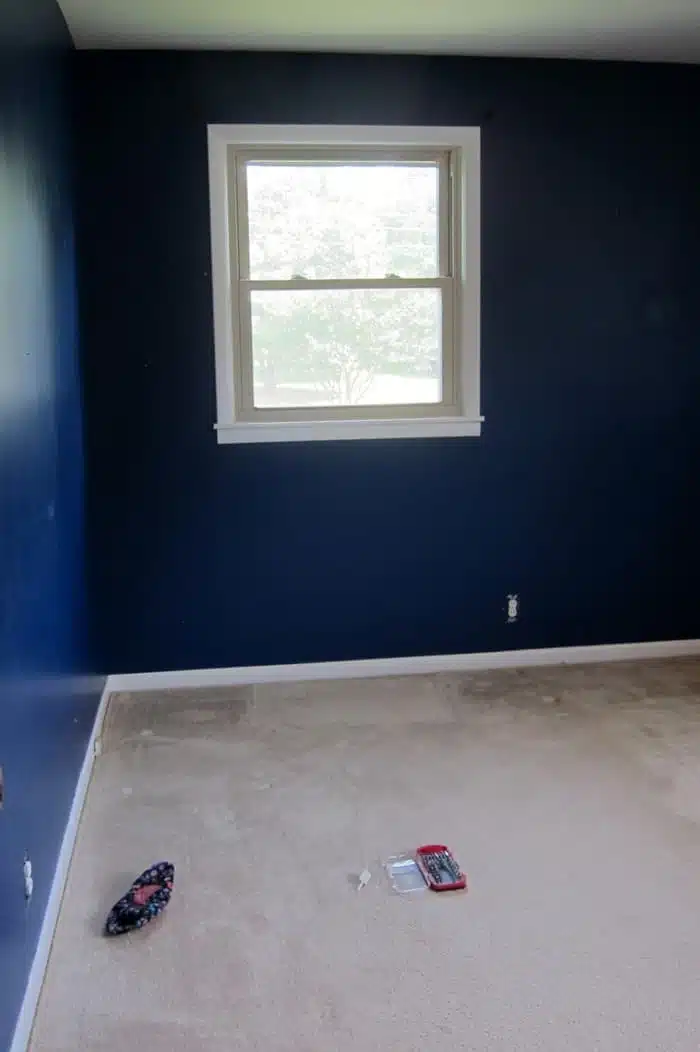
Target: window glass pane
<point x="346" y="347"/>
<point x="342" y="221"/>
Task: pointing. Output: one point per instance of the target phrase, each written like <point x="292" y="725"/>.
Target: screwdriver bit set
<point x="440" y="869"/>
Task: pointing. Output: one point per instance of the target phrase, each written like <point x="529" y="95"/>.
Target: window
<point x="346" y="281"/>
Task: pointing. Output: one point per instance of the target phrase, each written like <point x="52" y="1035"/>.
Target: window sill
<point x="342" y="430"/>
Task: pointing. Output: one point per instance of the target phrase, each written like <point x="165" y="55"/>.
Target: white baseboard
<point x="25" y="1020"/>
<point x="405" y="666"/>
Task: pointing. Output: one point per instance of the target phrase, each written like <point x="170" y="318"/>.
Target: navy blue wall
<point x="581" y="495"/>
<point x="46" y="710"/>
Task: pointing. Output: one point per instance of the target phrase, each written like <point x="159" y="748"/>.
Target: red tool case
<point x="440" y="869"/>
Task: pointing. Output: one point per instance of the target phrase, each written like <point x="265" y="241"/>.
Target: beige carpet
<point x="572" y="798"/>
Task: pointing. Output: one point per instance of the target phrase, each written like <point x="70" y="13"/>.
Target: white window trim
<point x="465" y="140"/>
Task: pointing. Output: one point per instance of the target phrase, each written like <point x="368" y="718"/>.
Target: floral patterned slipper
<point x="146" y="898"/>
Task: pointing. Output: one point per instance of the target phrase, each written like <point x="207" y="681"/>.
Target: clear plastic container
<point x="404" y="874"/>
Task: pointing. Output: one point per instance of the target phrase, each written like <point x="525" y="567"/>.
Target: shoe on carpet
<point x="146" y="898"/>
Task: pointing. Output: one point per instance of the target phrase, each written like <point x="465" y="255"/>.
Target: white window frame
<point x="235" y="421"/>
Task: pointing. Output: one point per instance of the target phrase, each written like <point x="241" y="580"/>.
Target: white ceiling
<point x="666" y="30"/>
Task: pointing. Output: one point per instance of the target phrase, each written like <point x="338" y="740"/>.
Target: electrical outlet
<point x="28" y="878"/>
<point x="513" y="608"/>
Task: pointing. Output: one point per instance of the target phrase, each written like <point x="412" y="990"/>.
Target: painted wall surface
<point x="46" y="712"/>
<point x="581" y="495"/>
